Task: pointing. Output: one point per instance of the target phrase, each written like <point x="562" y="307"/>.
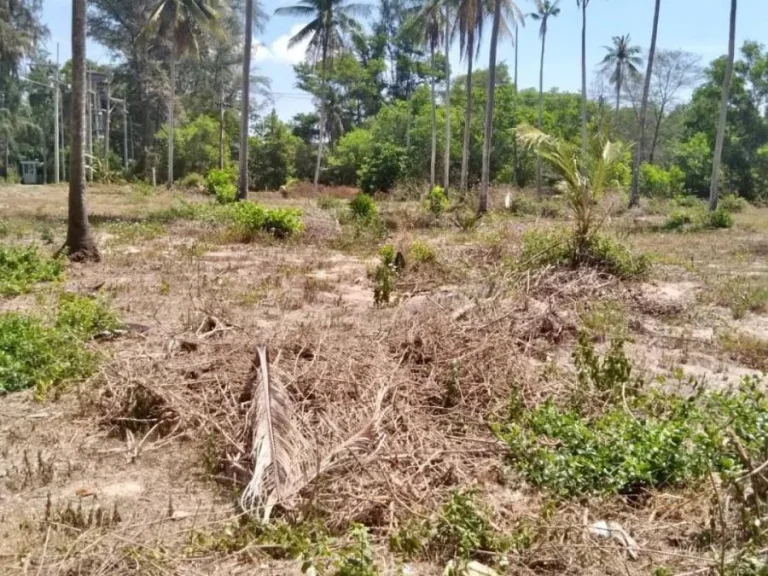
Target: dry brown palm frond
<point x="276" y="445"/>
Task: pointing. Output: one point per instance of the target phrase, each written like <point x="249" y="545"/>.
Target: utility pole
<point x="56" y="120"/>
<point x="106" y="129"/>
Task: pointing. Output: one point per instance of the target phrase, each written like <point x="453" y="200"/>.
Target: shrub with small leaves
<point x="221" y="185"/>
<point x="422" y="253"/>
<point x="464" y="529"/>
<point x="22" y="268"/>
<point x="385" y="275"/>
<point x="357" y="559"/>
<point x="248" y="219"/>
<point x="733" y="203"/>
<point x="85" y="317"/>
<point x="719" y="218"/>
<point x="437" y="200"/>
<point x="193" y="180"/>
<point x="362" y="207"/>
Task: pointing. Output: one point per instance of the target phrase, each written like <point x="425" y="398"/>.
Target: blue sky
<point x="699" y="26"/>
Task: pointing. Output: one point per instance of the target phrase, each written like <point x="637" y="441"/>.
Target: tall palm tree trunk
<point x="433" y="160"/>
<point x="467" y="115"/>
<point x="323" y="97"/>
<point x="488" y="133"/>
<point x="618" y="96"/>
<point x="447" y="105"/>
<point x="713" y="191"/>
<point x="656" y="131"/>
<point x="242" y="187"/>
<point x="514" y="141"/>
<point x="171" y="116"/>
<point x="79" y="243"/>
<point x="584" y="77"/>
<point x="221" y="128"/>
<point x="634" y="196"/>
<point x="541" y="110"/>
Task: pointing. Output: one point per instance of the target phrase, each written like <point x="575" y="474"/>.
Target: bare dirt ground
<point x="127" y="473"/>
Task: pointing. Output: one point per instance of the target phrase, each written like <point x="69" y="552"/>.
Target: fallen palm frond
<point x="281" y="456"/>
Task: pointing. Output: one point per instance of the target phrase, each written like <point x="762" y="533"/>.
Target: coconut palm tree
<point x="447" y="103"/>
<point x="79" y="244"/>
<point x="624" y="59"/>
<point x="427" y="25"/>
<point x="470" y="18"/>
<point x="634" y="195"/>
<point x="180" y="22"/>
<point x="583" y="5"/>
<point x="254" y="19"/>
<point x="544" y="11"/>
<point x="332" y="22"/>
<point x="713" y="191"/>
<point x="512" y="13"/>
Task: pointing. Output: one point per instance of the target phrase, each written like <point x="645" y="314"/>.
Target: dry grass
<point x="466" y="332"/>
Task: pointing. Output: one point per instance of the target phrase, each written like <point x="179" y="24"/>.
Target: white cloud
<point x="278" y="50"/>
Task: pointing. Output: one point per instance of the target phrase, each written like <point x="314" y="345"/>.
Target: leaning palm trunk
<point x="433" y="160"/>
<point x="467" y="116"/>
<point x="79" y="243"/>
<point x="447" y="106"/>
<point x="242" y="187"/>
<point x="713" y="191"/>
<point x="634" y="196"/>
<point x="488" y="133"/>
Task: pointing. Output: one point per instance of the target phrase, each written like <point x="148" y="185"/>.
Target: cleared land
<point x="135" y="469"/>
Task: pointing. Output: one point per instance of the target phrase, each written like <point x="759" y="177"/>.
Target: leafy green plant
<point x="362" y="207"/>
<point x="733" y="203"/>
<point x="221" y="185"/>
<point x="385" y="275"/>
<point x="22" y="268"/>
<point x="649" y="441"/>
<point x="463" y="529"/>
<point x="719" y="218"/>
<point x="84" y="317"/>
<point x="248" y="219"/>
<point x="679" y="219"/>
<point x="358" y="558"/>
<point x="437" y="200"/>
<point x="382" y="168"/>
<point x="193" y="180"/>
<point x="421" y="252"/>
<point x="612" y="374"/>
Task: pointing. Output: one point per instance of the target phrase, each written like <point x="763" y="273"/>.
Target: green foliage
<point x="358" y="558"/>
<point x="385" y="275"/>
<point x="422" y="253"/>
<point x="665" y="440"/>
<point x="679" y="219"/>
<point x="557" y="247"/>
<point x="346" y="159"/>
<point x="694" y="159"/>
<point x="612" y="374"/>
<point x="732" y="204"/>
<point x="38" y="354"/>
<point x="193" y="180"/>
<point x="362" y="207"/>
<point x="659" y="183"/>
<point x="249" y="219"/>
<point x="22" y="268"/>
<point x="85" y="317"/>
<point x="222" y="185"/>
<point x="464" y="529"/>
<point x="719" y="218"/>
<point x="271" y="154"/>
<point x="437" y="200"/>
<point x="383" y="167"/>
<point x="196" y="146"/>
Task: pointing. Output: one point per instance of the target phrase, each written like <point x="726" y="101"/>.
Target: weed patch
<point x="41" y="355"/>
<point x="746" y="349"/>
<point x="557" y="247"/>
<point x="422" y="253"/>
<point x="22" y="268"/>
<point x="741" y="294"/>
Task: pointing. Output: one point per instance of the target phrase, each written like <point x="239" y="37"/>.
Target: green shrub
<point x="21" y="268"/>
<point x="358" y="558"/>
<point x="688" y="201"/>
<point x="384" y="166"/>
<point x="248" y="219"/>
<point x="654" y="441"/>
<point x="437" y="200"/>
<point x="193" y="180"/>
<point x="719" y="218"/>
<point x="385" y="275"/>
<point x="732" y="203"/>
<point x="222" y="185"/>
<point x="422" y="253"/>
<point x="678" y="220"/>
<point x="464" y="530"/>
<point x="363" y="207"/>
<point x="85" y="317"/>
<point x="557" y="247"/>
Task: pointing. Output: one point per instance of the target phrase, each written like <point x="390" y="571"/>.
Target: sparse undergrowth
<point x="22" y="268"/>
<point x="557" y="247"/>
<point x="695" y="219"/>
<point x="41" y="354"/>
<point x="741" y="294"/>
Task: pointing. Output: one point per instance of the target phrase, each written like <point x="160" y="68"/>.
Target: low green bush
<point x="362" y="206"/>
<point x="41" y="354"/>
<point x="719" y="218"/>
<point x="382" y="168"/>
<point x="249" y="219"/>
<point x="437" y="200"/>
<point x="698" y="218"/>
<point x="422" y="253"/>
<point x="22" y="268"/>
<point x="678" y="220"/>
<point x="193" y="180"/>
<point x="556" y="247"/>
<point x="385" y="275"/>
<point x="733" y="203"/>
<point x="222" y="185"/>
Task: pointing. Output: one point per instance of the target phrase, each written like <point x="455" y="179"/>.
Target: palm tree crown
<point x="182" y="21"/>
<point x="624" y="59"/>
<point x="333" y="21"/>
<point x="544" y="11"/>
